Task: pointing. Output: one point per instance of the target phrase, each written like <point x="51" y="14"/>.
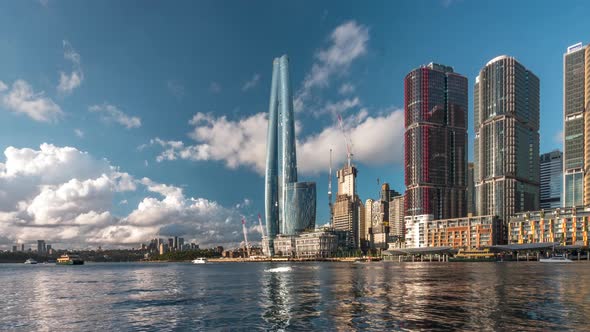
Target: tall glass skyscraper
<point x="289" y="205"/>
<point x="551" y="179"/>
<point x="573" y="125"/>
<point x="506" y="151"/>
<point x="435" y="142"/>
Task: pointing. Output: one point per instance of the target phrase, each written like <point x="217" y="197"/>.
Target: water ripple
<point x="306" y="296"/>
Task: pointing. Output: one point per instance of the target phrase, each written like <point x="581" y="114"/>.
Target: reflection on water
<point x="305" y="296"/>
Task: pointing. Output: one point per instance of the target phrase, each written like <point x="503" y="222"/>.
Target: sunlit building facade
<point x="317" y="244"/>
<point x="566" y="226"/>
<point x="465" y="232"/>
<point x="574" y="61"/>
<point x="506" y="149"/>
<point x="396" y="217"/>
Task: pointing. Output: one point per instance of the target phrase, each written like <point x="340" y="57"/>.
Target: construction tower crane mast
<point x="245" y="236"/>
<point x="347" y="142"/>
<point x="330" y="189"/>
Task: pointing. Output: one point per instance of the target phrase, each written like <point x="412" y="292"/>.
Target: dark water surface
<point x="297" y="296"/>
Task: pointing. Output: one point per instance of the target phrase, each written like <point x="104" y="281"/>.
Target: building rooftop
<point x="498" y="58"/>
<point x="439" y="67"/>
<point x="575" y="47"/>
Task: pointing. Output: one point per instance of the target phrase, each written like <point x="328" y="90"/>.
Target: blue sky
<point x="174" y="94"/>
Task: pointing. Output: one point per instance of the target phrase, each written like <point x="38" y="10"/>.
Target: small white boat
<point x="200" y="261"/>
<point x="555" y="259"/>
<point x="30" y="261"/>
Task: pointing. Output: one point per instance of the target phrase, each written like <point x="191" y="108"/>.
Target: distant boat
<point x="200" y="260"/>
<point x="30" y="261"/>
<point x="556" y="259"/>
<point x="69" y="259"/>
<point x="473" y="255"/>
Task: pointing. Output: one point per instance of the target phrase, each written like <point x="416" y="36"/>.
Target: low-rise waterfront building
<point x="466" y="232"/>
<point x="316" y="244"/>
<point x="567" y="226"/>
<point x="311" y="244"/>
<point x="284" y="245"/>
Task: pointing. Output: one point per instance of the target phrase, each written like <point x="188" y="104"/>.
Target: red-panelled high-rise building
<point x="435" y="107"/>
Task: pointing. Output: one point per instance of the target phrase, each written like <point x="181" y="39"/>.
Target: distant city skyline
<point x="155" y="124"/>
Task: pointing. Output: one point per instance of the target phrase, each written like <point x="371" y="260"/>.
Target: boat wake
<point x="279" y="269"/>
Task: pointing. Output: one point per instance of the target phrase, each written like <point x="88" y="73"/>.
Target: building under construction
<point x="435" y="142"/>
<point x="348" y="208"/>
<point x="396" y="217"/>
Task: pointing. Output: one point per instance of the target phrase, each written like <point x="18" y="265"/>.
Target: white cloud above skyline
<point x="66" y="196"/>
<point x="21" y="99"/>
<point x="242" y="143"/>
<point x="69" y="82"/>
<point x="110" y="113"/>
<point x="348" y="42"/>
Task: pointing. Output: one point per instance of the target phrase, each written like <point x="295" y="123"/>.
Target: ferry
<point x="69" y="259"/>
<point x="556" y="259"/>
<point x="474" y="255"/>
<point x="200" y="261"/>
<point x="30" y="261"/>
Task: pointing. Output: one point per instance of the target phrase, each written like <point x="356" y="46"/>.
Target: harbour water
<point x="376" y="296"/>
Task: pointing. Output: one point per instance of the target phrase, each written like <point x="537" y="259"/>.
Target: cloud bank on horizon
<point x="66" y="196"/>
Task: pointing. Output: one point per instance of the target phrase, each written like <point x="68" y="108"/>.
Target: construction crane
<point x="330" y="190"/>
<point x="245" y="236"/>
<point x="347" y="142"/>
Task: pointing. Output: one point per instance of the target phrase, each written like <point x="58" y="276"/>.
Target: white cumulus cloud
<point x="110" y="113"/>
<point x="21" y="98"/>
<point x="67" y="197"/>
<point x="237" y="143"/>
<point x="348" y="42"/>
<point x="376" y="141"/>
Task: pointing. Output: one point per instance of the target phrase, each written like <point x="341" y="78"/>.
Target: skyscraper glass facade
<point x="300" y="207"/>
<point x="287" y="202"/>
<point x="573" y="125"/>
<point x="506" y="151"/>
<point x="435" y="142"/>
<point x="551" y="179"/>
